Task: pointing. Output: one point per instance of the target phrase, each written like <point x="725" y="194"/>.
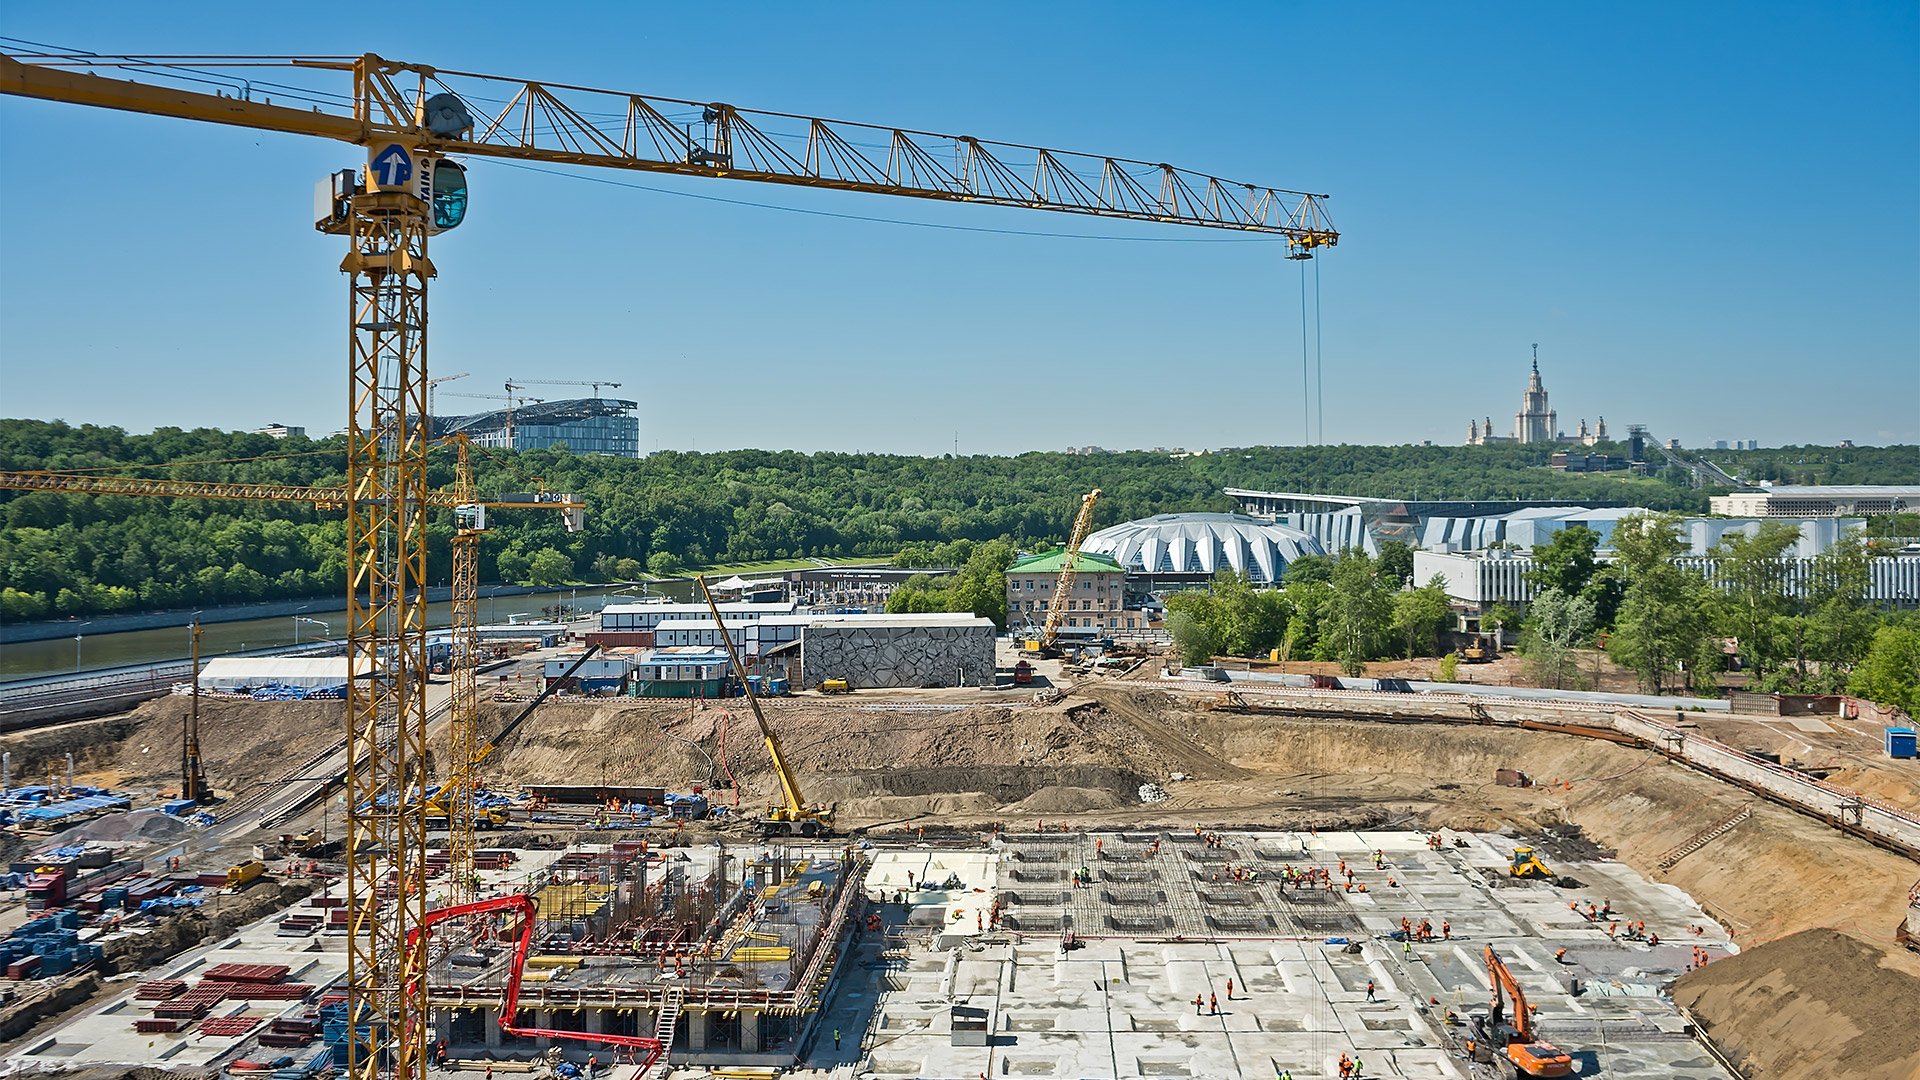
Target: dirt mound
<point x="877" y="765"/>
<point x="141" y="825"/>
<point x="1811" y="1006"/>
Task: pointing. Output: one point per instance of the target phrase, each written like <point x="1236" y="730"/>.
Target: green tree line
<point x="74" y="555"/>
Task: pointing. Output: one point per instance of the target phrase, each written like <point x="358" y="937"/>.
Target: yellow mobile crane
<point x="1063" y="585"/>
<point x="411" y="119"/>
<point x="796" y="815"/>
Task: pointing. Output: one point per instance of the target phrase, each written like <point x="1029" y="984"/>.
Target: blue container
<point x="1902" y="743"/>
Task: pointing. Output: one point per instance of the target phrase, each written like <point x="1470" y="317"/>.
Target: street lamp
<point x="298" y="619"/>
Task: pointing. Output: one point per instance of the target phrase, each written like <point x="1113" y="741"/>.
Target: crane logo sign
<point x="392" y="167"/>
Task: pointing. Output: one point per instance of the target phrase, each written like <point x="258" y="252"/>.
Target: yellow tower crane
<point x="410" y="119"/>
<point x="1063" y="585"/>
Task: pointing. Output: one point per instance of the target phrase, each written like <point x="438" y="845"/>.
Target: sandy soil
<point x="1817" y="1005"/>
<point x="1770" y="879"/>
<point x="243" y="744"/>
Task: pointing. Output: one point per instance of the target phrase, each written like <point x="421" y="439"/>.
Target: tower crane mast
<point x="411" y="119"/>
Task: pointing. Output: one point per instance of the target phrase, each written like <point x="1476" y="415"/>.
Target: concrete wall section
<point x="899" y="655"/>
<point x="1847" y="808"/>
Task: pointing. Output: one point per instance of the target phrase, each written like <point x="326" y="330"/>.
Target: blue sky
<point x="1708" y="215"/>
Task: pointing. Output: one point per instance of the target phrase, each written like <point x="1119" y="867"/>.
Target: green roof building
<point x="1097" y="601"/>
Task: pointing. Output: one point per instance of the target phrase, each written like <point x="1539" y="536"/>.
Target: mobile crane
<point x="410" y="119"/>
<point x="1063" y="585"/>
<point x="1512" y="1046"/>
<point x="796" y="816"/>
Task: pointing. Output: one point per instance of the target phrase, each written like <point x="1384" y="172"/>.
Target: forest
<point x="74" y="555"/>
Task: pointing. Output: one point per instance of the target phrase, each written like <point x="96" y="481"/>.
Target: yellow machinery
<point x="1063" y="585"/>
<point x="410" y="119"/>
<point x="835" y="686"/>
<point x="1527" y="864"/>
<point x="244" y="874"/>
<point x="796" y="816"/>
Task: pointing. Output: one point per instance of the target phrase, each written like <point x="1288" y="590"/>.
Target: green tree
<point x="1196" y="639"/>
<point x="1499" y="617"/>
<point x="513" y="564"/>
<point x="1662" y="622"/>
<point x="1396" y="563"/>
<point x="1751" y="575"/>
<point x="1308" y="568"/>
<point x="1419" y="615"/>
<point x="550" y="567"/>
<point x="1890" y="673"/>
<point x="1557" y="623"/>
<point x="1566" y="561"/>
<point x="659" y="564"/>
<point x="1449" y="669"/>
<point x="1356" y="612"/>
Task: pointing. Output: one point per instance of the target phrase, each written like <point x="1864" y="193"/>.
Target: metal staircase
<point x="1702" y="839"/>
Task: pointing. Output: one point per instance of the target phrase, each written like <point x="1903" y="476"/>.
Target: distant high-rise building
<point x="280" y="431"/>
<point x="1536" y="422"/>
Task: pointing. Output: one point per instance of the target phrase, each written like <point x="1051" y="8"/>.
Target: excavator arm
<point x="1513" y="1042"/>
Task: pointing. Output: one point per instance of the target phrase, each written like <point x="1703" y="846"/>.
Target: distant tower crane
<point x="431" y="383"/>
<point x="515" y="384"/>
<point x="513" y="400"/>
<point x="410" y="118"/>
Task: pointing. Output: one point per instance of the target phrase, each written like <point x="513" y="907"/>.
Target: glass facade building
<point x="584" y="425"/>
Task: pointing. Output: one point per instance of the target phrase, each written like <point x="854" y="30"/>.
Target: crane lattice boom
<point x="561" y="124"/>
<point x="1063" y="585"/>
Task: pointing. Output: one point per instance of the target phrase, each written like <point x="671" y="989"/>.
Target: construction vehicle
<point x="1479" y="651"/>
<point x="834" y="686"/>
<point x="1045" y="644"/>
<point x="193" y="778"/>
<point x="1023" y="674"/>
<point x="1511" y="1045"/>
<point x="408" y="121"/>
<point x="1526" y="864"/>
<point x="243" y="874"/>
<point x="796" y="816"/>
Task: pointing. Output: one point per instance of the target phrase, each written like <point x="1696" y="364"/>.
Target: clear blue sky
<point x="1708" y="215"/>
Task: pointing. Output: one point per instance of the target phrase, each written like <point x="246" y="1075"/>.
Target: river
<point x="324" y="619"/>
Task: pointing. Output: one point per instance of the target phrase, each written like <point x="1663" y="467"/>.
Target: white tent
<point x="243" y="672"/>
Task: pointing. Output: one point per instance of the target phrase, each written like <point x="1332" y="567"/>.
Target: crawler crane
<point x="1044" y="645"/>
<point x="795" y="815"/>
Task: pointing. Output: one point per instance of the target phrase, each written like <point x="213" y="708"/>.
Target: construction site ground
<point x="960" y="762"/>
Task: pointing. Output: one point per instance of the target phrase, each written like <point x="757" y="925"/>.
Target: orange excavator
<point x="1512" y="1045"/>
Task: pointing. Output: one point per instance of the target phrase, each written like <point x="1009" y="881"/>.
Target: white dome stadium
<point x="1204" y="544"/>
